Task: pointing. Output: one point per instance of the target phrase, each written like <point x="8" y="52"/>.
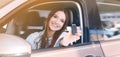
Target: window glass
<point x="110" y="22"/>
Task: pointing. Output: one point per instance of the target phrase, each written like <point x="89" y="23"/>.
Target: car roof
<point x="6" y="7"/>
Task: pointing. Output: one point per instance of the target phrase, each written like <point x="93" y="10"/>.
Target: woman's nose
<point x="57" y="21"/>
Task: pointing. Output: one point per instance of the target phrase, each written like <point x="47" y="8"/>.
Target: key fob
<point x="74" y="29"/>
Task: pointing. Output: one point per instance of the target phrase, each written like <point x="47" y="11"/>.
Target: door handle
<point x="93" y="56"/>
<point x="90" y="56"/>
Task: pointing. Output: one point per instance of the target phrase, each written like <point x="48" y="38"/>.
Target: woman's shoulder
<point x="33" y="36"/>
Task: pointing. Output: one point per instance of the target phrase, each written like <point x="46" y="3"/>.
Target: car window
<point x="32" y="19"/>
<point x="110" y="22"/>
<point x="45" y="8"/>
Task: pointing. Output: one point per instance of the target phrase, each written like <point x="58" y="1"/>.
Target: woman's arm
<point x="70" y="38"/>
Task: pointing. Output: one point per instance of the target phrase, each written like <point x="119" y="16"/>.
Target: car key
<point x="74" y="29"/>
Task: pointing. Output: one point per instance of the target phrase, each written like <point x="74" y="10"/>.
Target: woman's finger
<point x="79" y="33"/>
<point x="75" y="38"/>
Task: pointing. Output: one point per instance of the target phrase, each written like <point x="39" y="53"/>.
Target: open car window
<point x="33" y="18"/>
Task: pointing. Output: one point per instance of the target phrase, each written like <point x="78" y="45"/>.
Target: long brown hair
<point x="44" y="39"/>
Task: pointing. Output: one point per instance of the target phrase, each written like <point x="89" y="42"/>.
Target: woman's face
<point x="57" y="21"/>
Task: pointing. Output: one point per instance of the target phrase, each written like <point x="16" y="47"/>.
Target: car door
<point x="30" y="17"/>
<point x="110" y="39"/>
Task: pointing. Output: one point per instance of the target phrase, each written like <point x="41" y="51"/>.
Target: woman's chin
<point x="54" y="29"/>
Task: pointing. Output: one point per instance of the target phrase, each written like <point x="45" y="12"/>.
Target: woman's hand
<point x="70" y="38"/>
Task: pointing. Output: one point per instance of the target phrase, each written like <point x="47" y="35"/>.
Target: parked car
<point x="28" y="16"/>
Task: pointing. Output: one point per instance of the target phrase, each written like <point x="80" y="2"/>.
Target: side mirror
<point x="13" y="46"/>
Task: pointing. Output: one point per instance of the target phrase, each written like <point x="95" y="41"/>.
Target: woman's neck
<point x="50" y="33"/>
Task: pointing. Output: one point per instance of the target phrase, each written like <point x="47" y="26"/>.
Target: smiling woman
<point x="52" y="35"/>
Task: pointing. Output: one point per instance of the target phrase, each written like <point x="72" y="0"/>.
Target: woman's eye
<point x="62" y="21"/>
<point x="55" y="16"/>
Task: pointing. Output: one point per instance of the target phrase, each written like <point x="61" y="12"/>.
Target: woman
<point x="53" y="35"/>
